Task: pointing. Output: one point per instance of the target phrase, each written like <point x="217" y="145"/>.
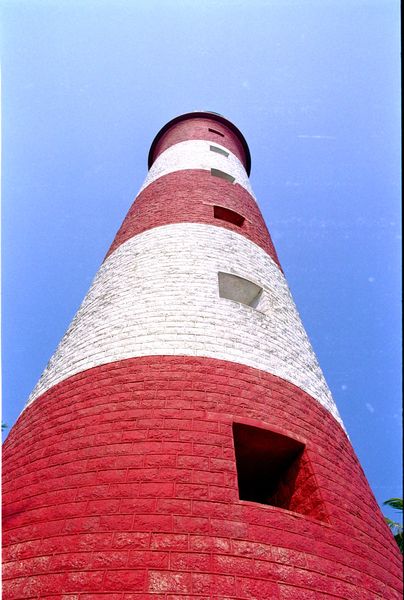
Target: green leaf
<point x="396" y="528"/>
<point x="399" y="539"/>
<point x="396" y="503"/>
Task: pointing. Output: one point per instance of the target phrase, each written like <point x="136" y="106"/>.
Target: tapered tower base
<point x="182" y="441"/>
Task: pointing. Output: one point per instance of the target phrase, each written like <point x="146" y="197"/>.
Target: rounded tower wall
<point x="146" y="301"/>
<point x="197" y="197"/>
<point x="198" y="154"/>
<point x="200" y="126"/>
<point x="182" y="441"/>
<point x="124" y="479"/>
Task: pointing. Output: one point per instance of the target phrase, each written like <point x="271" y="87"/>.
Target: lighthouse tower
<point x="182" y="441"/>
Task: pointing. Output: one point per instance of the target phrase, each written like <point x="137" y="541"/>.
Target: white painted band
<point x="196" y="154"/>
<point x="157" y="294"/>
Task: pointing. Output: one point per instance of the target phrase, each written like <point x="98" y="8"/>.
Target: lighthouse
<point x="182" y="441"/>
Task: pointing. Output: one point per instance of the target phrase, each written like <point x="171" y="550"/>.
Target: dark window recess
<point x="238" y="289"/>
<point x="217" y="132"/>
<point x="219" y="150"/>
<point x="274" y="469"/>
<point x="222" y="174"/>
<point x="225" y="214"/>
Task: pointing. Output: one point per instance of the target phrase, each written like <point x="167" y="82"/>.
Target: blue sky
<point x="314" y="87"/>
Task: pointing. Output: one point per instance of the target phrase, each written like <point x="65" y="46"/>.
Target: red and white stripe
<point x="120" y="474"/>
<point x="157" y="292"/>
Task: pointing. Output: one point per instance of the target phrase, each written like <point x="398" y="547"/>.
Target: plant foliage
<point x="395" y="526"/>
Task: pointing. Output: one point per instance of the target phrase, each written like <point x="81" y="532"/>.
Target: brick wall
<point x="122" y="480"/>
<point x="157" y="293"/>
<point x="199" y="129"/>
<point x="196" y="154"/>
<point x="189" y="196"/>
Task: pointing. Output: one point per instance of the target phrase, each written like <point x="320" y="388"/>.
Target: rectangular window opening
<point x="219" y="150"/>
<point x="223" y="175"/>
<point x="225" y="214"/>
<point x="217" y="132"/>
<point x="273" y="469"/>
<point x="238" y="289"/>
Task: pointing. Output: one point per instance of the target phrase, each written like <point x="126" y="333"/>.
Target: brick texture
<point x="189" y="196"/>
<point x="121" y="483"/>
<point x="120" y="479"/>
<point x="157" y="294"/>
<point x="196" y="154"/>
<point x="198" y="129"/>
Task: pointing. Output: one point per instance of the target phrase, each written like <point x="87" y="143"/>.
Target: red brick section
<point x="198" y="129"/>
<point x="189" y="196"/>
<point x="121" y="483"/>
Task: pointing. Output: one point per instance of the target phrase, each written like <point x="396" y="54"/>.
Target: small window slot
<point x="222" y="175"/>
<point x="274" y="469"/>
<point x="219" y="151"/>
<point x="238" y="289"/>
<point x="225" y="214"/>
<point x="217" y="132"/>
